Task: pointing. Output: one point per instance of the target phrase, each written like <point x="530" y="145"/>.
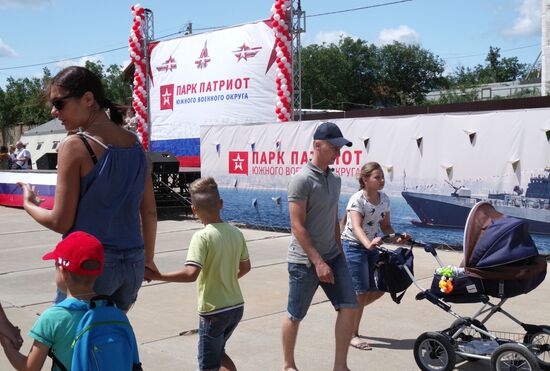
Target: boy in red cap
<point x="78" y="262"/>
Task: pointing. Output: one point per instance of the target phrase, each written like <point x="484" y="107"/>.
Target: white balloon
<point x="284" y="110"/>
<point x="284" y="87"/>
<point x="276" y="16"/>
<point x="279" y="104"/>
<point x="283" y="59"/>
<point x="287" y="93"/>
<point x="280" y="54"/>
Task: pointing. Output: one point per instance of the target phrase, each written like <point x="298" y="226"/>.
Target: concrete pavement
<point x="165" y="318"/>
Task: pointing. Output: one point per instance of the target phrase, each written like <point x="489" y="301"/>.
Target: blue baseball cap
<point x="331" y="133"/>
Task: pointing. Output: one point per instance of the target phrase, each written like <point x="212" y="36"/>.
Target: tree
<point x="496" y="69"/>
<point x="408" y="73"/>
<point x="338" y="76"/>
<point x="23" y="101"/>
<point x="354" y="74"/>
<point x="116" y="89"/>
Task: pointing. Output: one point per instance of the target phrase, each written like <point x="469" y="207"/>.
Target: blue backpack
<point x="104" y="338"/>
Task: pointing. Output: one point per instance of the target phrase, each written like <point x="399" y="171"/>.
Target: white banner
<point x="214" y="78"/>
<point x="486" y="152"/>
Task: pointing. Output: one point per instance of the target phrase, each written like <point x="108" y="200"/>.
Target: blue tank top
<point x="110" y="198"/>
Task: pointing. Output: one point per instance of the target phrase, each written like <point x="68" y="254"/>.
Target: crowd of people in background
<point x="15" y="157"/>
<point x="104" y="190"/>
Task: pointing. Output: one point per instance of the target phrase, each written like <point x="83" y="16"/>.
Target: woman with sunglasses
<point x="104" y="186"/>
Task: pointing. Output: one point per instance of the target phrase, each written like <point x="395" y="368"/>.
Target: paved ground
<point x="165" y="319"/>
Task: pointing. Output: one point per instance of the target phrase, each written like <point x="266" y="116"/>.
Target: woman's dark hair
<point x="79" y="80"/>
<point x="3" y="149"/>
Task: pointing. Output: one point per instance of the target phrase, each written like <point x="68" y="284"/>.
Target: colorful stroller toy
<point x="500" y="261"/>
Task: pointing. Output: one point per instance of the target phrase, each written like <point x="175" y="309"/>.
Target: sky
<point x="59" y="33"/>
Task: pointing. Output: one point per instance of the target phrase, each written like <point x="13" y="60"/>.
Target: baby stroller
<point x="500" y="261"/>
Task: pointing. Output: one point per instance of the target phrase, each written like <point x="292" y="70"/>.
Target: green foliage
<point x="116" y="89"/>
<point x="408" y="73"/>
<point x="339" y="76"/>
<point x="355" y="74"/>
<point x="24" y="101"/>
<point x="496" y="69"/>
<point x="461" y="95"/>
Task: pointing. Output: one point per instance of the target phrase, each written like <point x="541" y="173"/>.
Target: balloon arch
<point x="281" y="22"/>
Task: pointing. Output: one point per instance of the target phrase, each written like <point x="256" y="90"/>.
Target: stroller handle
<point x="428" y="247"/>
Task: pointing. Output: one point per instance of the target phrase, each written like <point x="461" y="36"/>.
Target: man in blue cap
<point x="315" y="254"/>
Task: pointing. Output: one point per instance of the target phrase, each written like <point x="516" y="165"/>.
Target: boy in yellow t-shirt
<point x="216" y="259"/>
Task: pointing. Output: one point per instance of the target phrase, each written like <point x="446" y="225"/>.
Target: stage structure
<point x="248" y="73"/>
<point x="165" y="168"/>
<point x="298" y="26"/>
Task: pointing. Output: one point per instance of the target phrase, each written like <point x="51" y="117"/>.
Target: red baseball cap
<point x="74" y="250"/>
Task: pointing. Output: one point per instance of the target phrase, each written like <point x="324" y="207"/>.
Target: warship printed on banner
<point x="451" y="211"/>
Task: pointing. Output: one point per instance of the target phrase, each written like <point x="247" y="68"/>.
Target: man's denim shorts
<point x="361" y="263"/>
<point x="214" y="331"/>
<point x="303" y="283"/>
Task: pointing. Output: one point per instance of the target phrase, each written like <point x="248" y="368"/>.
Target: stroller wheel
<point x="433" y="352"/>
<point x="540" y="345"/>
<point x="513" y="357"/>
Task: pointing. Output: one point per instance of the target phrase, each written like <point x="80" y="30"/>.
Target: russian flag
<point x="43" y="181"/>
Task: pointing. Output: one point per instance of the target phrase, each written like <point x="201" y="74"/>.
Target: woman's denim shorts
<point x="361" y="263"/>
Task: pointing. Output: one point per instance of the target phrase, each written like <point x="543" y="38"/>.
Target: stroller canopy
<point x="499" y="247"/>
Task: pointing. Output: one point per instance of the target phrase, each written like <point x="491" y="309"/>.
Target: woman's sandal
<point x="360" y="344"/>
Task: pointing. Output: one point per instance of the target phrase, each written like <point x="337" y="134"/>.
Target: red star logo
<point x="204" y="59"/>
<point x="238" y="163"/>
<point x="245" y="52"/>
<point x="167" y="97"/>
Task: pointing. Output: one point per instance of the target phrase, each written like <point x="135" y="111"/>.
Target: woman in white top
<point x="367" y="219"/>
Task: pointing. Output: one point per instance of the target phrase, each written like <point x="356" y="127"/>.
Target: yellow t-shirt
<point x="217" y="250"/>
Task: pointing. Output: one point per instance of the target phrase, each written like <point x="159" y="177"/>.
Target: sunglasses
<point x="59" y="103"/>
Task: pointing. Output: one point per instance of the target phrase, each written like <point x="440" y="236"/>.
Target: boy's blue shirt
<point x="56" y="328"/>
